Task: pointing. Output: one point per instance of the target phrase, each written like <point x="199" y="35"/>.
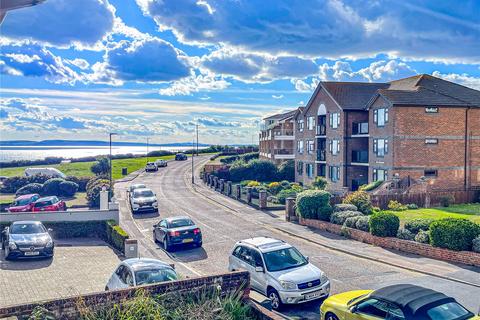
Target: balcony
<point x="282" y="154"/>
<point x="321" y="155"/>
<point x="360" y="157"/>
<point x="321" y="130"/>
<point x="360" y="129"/>
<point x="283" y="134"/>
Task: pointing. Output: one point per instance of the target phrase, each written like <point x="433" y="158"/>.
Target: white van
<point x="50" y="172"/>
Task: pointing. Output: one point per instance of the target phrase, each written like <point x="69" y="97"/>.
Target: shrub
<point x="376" y="209"/>
<point x="314" y="204"/>
<point x="454" y="234"/>
<point x="363" y="223"/>
<point x="81" y="181"/>
<point x="68" y="188"/>
<point x="319" y="183"/>
<point x="445" y="201"/>
<point x="274" y="187"/>
<point x="412" y="206"/>
<point x="253" y="184"/>
<point x="101" y="167"/>
<point x="476" y="244"/>
<point x="51" y="187"/>
<point x="94" y="180"/>
<point x="29" y="188"/>
<point x="93" y="192"/>
<point x="351" y="222"/>
<point x="263" y="170"/>
<point x="423" y="237"/>
<point x="344" y="207"/>
<point x="12" y="184"/>
<point x="285" y="184"/>
<point x="396" y="206"/>
<point x="361" y="200"/>
<point x="384" y="224"/>
<point x="371" y="186"/>
<point x="415" y="225"/>
<point x="405" y="234"/>
<point x="115" y="235"/>
<point x="341" y="216"/>
<point x="286" y="193"/>
<point x="286" y="170"/>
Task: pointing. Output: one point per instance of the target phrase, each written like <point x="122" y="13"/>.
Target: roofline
<point x="315" y="93"/>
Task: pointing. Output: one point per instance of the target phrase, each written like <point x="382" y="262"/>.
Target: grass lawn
<point x="470" y="211"/>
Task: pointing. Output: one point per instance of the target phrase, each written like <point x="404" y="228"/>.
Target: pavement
<point x="349" y="264"/>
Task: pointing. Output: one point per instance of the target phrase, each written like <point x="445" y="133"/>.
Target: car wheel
<point x="166" y="244"/>
<point x="106" y="288"/>
<point x="274" y="297"/>
<point x="155" y="238"/>
<point x="7" y="253"/>
<point x="331" y="316"/>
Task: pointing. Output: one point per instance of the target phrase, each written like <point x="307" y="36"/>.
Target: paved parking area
<point x="78" y="268"/>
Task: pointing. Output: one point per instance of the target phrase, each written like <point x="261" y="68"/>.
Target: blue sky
<point x="78" y="69"/>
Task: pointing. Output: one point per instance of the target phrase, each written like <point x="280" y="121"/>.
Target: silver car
<point x="143" y="200"/>
<point x="279" y="271"/>
<point x="27" y="239"/>
<point x="140" y="271"/>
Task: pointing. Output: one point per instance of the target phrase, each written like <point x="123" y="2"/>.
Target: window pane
<point x="374" y="308"/>
<point x="381" y="117"/>
<point x="448" y="311"/>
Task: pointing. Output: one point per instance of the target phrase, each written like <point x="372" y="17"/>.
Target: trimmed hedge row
<point x="314" y="204"/>
<point x="454" y="234"/>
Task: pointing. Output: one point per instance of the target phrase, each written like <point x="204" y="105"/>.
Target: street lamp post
<point x="196" y="126"/>
<point x="110" y="158"/>
<point x="193" y="153"/>
<point x="147" y="150"/>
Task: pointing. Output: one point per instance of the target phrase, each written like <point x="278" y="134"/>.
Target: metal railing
<point x="321" y="130"/>
<point x="321" y="155"/>
<point x="283" y="132"/>
<point x="283" y="151"/>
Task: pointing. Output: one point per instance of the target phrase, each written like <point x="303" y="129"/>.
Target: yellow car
<point x="396" y="302"/>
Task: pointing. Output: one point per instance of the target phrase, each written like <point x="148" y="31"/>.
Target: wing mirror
<point x="49" y="229"/>
<point x="307" y="258"/>
<point x="353" y="309"/>
<point x="258" y="269"/>
<point x="154" y="226"/>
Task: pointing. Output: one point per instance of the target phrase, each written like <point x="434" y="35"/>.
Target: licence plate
<point x="187" y="240"/>
<point x="313" y="295"/>
<point x="32" y="253"/>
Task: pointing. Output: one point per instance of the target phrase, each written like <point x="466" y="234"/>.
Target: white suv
<point x="279" y="271"/>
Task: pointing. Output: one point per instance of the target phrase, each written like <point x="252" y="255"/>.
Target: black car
<point x="27" y="239"/>
<point x="176" y="231"/>
<point x="180" y="157"/>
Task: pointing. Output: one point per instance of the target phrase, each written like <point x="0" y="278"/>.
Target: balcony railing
<point x="321" y="130"/>
<point x="283" y="132"/>
<point x="360" y="156"/>
<point x="283" y="151"/>
<point x="359" y="128"/>
<point x="321" y="155"/>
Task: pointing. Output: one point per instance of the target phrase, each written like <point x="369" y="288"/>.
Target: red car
<point x="24" y="203"/>
<point x="49" y="204"/>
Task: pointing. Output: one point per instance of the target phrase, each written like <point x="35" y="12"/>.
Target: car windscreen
<point x="449" y="311"/>
<point x="284" y="259"/>
<point x="142" y="193"/>
<point x="137" y="186"/>
<point x="23" y="202"/>
<point x="154" y="276"/>
<point x="180" y="223"/>
<point x="27" y="228"/>
<point x="40" y="204"/>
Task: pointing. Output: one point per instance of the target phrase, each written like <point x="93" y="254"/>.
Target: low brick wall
<point x="67" y="308"/>
<point x="465" y="257"/>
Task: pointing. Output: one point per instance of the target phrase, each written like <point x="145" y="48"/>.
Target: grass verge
<point x="470" y="211"/>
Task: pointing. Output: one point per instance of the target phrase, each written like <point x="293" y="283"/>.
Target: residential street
<point x="224" y="221"/>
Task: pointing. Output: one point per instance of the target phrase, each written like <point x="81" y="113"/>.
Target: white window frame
<point x="334" y="171"/>
<point x="310" y="146"/>
<point x="376" y="148"/>
<point x="310" y="170"/>
<point x="334" y="120"/>
<point x="300" y="124"/>
<point x="311" y="123"/>
<point x="376" y="172"/>
<point x="300" y="146"/>
<point x="384" y="116"/>
<point x="334" y="146"/>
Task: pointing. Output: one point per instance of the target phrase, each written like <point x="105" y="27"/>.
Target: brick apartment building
<point x="422" y="126"/>
<point x="276" y="139"/>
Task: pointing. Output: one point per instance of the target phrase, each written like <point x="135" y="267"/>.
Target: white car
<point x="140" y="271"/>
<point x="50" y="172"/>
<point x="279" y="271"/>
<point x="161" y="163"/>
<point x="151" y="166"/>
<point x="143" y="199"/>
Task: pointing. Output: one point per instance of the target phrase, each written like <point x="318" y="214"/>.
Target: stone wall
<point x="465" y="257"/>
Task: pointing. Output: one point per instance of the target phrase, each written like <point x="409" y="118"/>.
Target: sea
<point x="9" y="153"/>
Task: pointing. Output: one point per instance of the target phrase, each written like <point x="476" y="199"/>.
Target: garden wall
<point x="68" y="308"/>
<point x="465" y="257"/>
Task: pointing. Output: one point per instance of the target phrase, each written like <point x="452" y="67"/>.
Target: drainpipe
<point x="465" y="181"/>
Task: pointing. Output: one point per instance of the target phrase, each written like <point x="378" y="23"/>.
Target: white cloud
<point x="80" y="63"/>
<point x="463" y="79"/>
<point x="195" y="83"/>
<point x="280" y="96"/>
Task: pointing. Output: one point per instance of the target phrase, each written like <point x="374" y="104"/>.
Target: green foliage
<point x="344" y="207"/>
<point x="454" y="234"/>
<point x="363" y="223"/>
<point x="314" y="204"/>
<point x="371" y="186"/>
<point x="286" y="170"/>
<point x="405" y="234"/>
<point x="412" y="206"/>
<point x="351" y="222"/>
<point x="68" y="188"/>
<point x="115" y="235"/>
<point x="12" y="184"/>
<point x="260" y="170"/>
<point x="446" y="201"/>
<point x="339" y="217"/>
<point x="396" y="206"/>
<point x="101" y="167"/>
<point x="319" y="183"/>
<point x="244" y="157"/>
<point x="41" y="313"/>
<point x="423" y="237"/>
<point x="285" y="184"/>
<point x="253" y="184"/>
<point x="93" y="191"/>
<point x="51" y="187"/>
<point x="286" y="193"/>
<point x="274" y="187"/>
<point x="476" y="244"/>
<point x="415" y="225"/>
<point x="361" y="200"/>
<point x="29" y="188"/>
<point x="384" y="224"/>
<point x="81" y="181"/>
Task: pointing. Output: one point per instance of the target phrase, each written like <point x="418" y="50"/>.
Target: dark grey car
<point x="27" y="239"/>
<point x="176" y="231"/>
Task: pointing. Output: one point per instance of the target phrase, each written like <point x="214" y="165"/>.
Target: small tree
<point x="314" y="204"/>
<point x="51" y="187"/>
<point x="320" y="183"/>
<point x="101" y="167"/>
<point x="384" y="224"/>
<point x="286" y="170"/>
<point x="361" y="200"/>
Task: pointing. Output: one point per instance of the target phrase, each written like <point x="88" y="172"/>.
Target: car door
<point x="115" y="280"/>
<point x="258" y="278"/>
<point x="161" y="229"/>
<point x="369" y="309"/>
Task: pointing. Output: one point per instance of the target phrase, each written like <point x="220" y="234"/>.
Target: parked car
<point x="279" y="271"/>
<point x="24" y="203"/>
<point x="151" y="166"/>
<point x="27" y="239"/>
<point x="396" y="302"/>
<point x="143" y="199"/>
<point x="180" y="156"/>
<point x="49" y="204"/>
<point x="50" y="172"/>
<point x="161" y="163"/>
<point x="177" y="230"/>
<point x="140" y="271"/>
<point x="135" y="186"/>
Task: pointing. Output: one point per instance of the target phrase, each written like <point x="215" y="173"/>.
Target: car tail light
<point x="174" y="233"/>
<point x="196" y="231"/>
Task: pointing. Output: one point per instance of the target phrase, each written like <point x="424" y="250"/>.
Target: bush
<point x="253" y="184"/>
<point x="363" y="223"/>
<point x="286" y="193"/>
<point x="93" y="192"/>
<point x="340" y="216"/>
<point x="361" y="200"/>
<point x="405" y="234"/>
<point x="81" y="181"/>
<point x="415" y="225"/>
<point x="261" y="170"/>
<point x="445" y="201"/>
<point x="412" y="206"/>
<point x="396" y="206"/>
<point x="51" y="187"/>
<point x="384" y="224"/>
<point x="68" y="188"/>
<point x="423" y="237"/>
<point x="371" y="186"/>
<point x="115" y="235"/>
<point x="274" y="187"/>
<point x="344" y="207"/>
<point x="454" y="234"/>
<point x="101" y="167"/>
<point x="286" y="170"/>
<point x="12" y="184"/>
<point x="476" y="244"/>
<point x="94" y="180"/>
<point x="285" y="184"/>
<point x="314" y="204"/>
<point x="29" y="188"/>
<point x="320" y="183"/>
<point x="351" y="222"/>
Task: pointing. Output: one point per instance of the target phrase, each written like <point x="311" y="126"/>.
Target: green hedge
<point x="314" y="204"/>
<point x="454" y="234"/>
<point x="415" y="225"/>
<point x="115" y="235"/>
<point x="384" y="224"/>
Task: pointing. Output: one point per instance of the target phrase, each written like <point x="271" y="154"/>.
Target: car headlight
<point x="288" y="285"/>
<point x="49" y="244"/>
<point x="323" y="278"/>
<point x="155" y="203"/>
<point x="12" y="245"/>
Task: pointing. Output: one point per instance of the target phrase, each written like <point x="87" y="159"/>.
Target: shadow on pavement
<point x="185" y="253"/>
<point x="146" y="215"/>
<point x="24" y="263"/>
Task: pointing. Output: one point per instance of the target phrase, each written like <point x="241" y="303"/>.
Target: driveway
<point x="78" y="267"/>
